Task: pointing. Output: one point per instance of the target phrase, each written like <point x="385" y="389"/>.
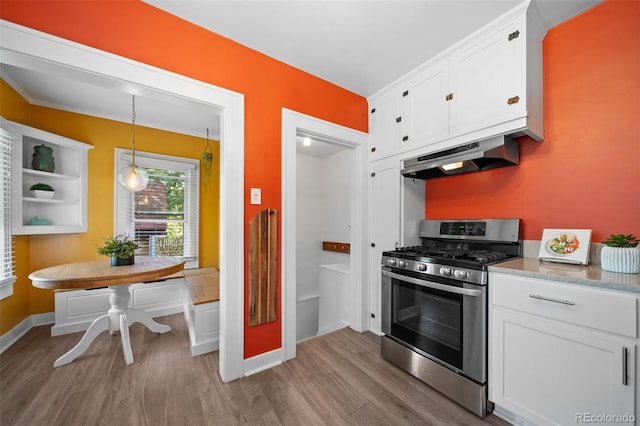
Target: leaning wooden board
<point x="263" y="267"/>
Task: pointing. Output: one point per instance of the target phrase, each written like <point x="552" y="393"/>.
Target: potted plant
<point x="42" y="190"/>
<point x="120" y="248"/>
<point x="621" y="254"/>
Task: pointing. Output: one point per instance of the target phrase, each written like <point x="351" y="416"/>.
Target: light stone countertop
<point x="591" y="275"/>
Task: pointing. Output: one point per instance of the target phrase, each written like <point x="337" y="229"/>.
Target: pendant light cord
<point x="133" y="129"/>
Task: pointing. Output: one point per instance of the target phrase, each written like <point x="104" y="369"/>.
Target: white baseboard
<point x="333" y="327"/>
<point x="12" y="336"/>
<point x="510" y="417"/>
<point x="204" y="348"/>
<point x="262" y="362"/>
<point x="43" y="319"/>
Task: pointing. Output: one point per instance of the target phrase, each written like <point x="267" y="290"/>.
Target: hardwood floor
<point x="336" y="379"/>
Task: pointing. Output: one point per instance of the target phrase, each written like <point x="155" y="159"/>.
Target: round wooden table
<point x="100" y="273"/>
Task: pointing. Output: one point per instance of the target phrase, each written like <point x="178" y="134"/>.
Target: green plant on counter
<point x="118" y="246"/>
<point x="41" y="187"/>
<point x="621" y="240"/>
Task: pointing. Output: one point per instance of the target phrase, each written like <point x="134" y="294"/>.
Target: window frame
<point x="125" y="200"/>
<point x="7" y="243"/>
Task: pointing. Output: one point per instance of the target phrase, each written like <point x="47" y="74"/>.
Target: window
<point x="163" y="219"/>
<point x="7" y="277"/>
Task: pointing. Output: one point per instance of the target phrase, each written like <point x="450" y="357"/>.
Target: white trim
<point x="6" y="287"/>
<point x="26" y="48"/>
<point x="292" y="122"/>
<point x="12" y="336"/>
<point x="262" y="362"/>
<point x="43" y="319"/>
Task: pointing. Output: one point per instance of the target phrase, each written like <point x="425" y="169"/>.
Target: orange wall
<point x="141" y="32"/>
<point x="40" y="251"/>
<point x="586" y="171"/>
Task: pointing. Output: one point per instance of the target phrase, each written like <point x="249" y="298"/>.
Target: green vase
<point x="118" y="261"/>
<point x="43" y="159"/>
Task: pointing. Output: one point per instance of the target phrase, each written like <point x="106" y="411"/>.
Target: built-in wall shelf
<point x="66" y="211"/>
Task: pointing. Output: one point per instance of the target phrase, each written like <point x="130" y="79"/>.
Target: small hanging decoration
<point x="207" y="160"/>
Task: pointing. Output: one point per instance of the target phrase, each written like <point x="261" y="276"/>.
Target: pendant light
<point x="132" y="177"/>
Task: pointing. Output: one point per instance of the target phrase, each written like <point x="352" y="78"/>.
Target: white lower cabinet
<point x="555" y="366"/>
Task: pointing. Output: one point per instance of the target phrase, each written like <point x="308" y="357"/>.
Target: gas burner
<point x="480" y="256"/>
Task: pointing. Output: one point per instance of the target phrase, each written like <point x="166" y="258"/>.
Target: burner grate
<point x="480" y="256"/>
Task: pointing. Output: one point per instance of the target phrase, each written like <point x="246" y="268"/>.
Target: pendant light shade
<point x="132" y="177"/>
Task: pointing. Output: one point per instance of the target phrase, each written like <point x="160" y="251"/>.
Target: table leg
<point x="127" y="352"/>
<point x="99" y="325"/>
<point x="137" y="315"/>
<point x="119" y="317"/>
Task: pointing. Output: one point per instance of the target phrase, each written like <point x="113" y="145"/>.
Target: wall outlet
<point x="256" y="196"/>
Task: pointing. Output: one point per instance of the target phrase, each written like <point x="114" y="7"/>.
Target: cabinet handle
<point x="373" y="149"/>
<point x="398" y="119"/>
<point x="513" y="100"/>
<point x="625" y="355"/>
<point x="550" y="299"/>
<point x="405" y="138"/>
<point x="449" y="97"/>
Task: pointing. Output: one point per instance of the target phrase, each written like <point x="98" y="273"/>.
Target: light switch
<point x="256" y="196"/>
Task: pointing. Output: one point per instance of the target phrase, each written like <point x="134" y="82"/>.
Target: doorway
<point x="354" y="143"/>
<point x="40" y="52"/>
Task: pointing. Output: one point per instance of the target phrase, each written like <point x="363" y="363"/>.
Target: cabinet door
<point x="482" y="80"/>
<point x="384" y="116"/>
<point x="425" y="116"/>
<point x="550" y="373"/>
<point x="384" y="226"/>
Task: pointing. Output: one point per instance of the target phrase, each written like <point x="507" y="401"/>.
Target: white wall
<point x="323" y="211"/>
<point x="336" y="208"/>
<point x="323" y="207"/>
<point x="309" y="219"/>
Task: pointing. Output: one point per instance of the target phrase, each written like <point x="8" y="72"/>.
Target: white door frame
<point x="30" y="49"/>
<point x="292" y="122"/>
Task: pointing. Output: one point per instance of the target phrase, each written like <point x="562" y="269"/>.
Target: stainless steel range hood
<point x="492" y="153"/>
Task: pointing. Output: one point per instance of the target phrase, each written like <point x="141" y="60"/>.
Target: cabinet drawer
<point x="604" y="310"/>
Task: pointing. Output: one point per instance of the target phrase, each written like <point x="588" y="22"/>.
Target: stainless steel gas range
<point x="434" y="304"/>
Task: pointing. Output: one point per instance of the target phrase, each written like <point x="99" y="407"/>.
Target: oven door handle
<point x="436" y="286"/>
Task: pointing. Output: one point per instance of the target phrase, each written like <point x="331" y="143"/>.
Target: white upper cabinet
<point x="425" y="113"/>
<point x="66" y="210"/>
<point x="489" y="84"/>
<point x="482" y="82"/>
<point x="384" y="129"/>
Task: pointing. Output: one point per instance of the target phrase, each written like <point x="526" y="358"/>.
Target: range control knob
<point x="422" y="267"/>
<point x="402" y="263"/>
<point x="391" y="262"/>
<point x="446" y="271"/>
<point x="460" y="274"/>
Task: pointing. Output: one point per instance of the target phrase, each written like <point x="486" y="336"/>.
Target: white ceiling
<point x="360" y="45"/>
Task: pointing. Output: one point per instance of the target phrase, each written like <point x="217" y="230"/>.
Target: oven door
<point x="440" y="318"/>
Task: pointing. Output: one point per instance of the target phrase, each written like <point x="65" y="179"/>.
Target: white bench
<point x="202" y="309"/>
